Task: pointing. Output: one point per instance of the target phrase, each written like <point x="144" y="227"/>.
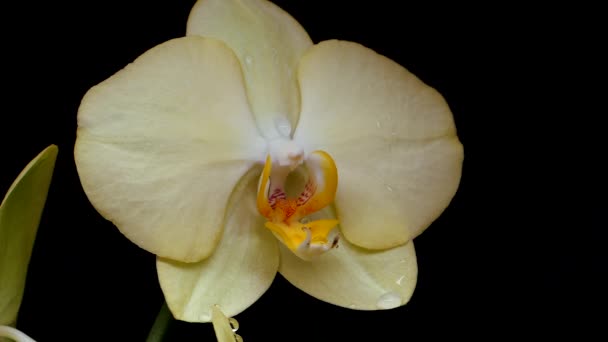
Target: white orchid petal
<point x="269" y="44"/>
<point x="236" y="275"/>
<point x="384" y="203"/>
<point x="162" y="143"/>
<point x="355" y="278"/>
<point x="392" y="137"/>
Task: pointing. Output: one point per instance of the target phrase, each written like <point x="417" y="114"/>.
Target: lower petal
<point x="355" y="278"/>
<point x="239" y="271"/>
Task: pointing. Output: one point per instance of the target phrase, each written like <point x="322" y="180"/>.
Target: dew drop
<point x="389" y="300"/>
<point x="238" y="338"/>
<point x="398" y="281"/>
<point x="234" y="324"/>
<point x="248" y="60"/>
<point x="389" y="188"/>
<point x="378" y="124"/>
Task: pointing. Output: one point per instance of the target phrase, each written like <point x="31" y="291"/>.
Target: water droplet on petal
<point x="248" y="60"/>
<point x="398" y="281"/>
<point x="378" y="124"/>
<point x="234" y="324"/>
<point x="389" y="300"/>
<point x="238" y="338"/>
<point x="389" y="188"/>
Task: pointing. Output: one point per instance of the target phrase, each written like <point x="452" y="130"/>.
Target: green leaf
<point x="20" y="214"/>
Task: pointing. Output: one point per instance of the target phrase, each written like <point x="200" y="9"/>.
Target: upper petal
<point x="349" y="92"/>
<point x="236" y="275"/>
<point x="269" y="44"/>
<point x="161" y="144"/>
<point x="392" y="137"/>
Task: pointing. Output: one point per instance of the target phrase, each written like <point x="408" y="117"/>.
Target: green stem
<point x="161" y="324"/>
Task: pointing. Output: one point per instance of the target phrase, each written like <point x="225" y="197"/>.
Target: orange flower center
<point x="285" y="215"/>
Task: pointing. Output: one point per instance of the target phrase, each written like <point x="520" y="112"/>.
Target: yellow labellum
<point x="310" y="239"/>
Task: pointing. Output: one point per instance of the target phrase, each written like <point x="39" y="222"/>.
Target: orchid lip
<point x="286" y="216"/>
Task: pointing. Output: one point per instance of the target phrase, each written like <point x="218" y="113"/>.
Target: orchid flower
<point x="243" y="149"/>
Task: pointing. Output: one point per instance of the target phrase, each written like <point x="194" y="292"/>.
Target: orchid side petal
<point x="235" y="275"/>
<point x="394" y="201"/>
<point x="269" y="44"/>
<point x="355" y="278"/>
<point x="392" y="137"/>
<point x="162" y="143"/>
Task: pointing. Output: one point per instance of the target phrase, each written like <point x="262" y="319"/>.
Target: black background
<point x="485" y="270"/>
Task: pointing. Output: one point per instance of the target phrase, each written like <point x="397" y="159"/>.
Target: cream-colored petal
<point x="162" y="143"/>
<point x="350" y="92"/>
<point x="236" y="275"/>
<point x="392" y="137"/>
<point x="387" y="199"/>
<point x="269" y="44"/>
<point x="355" y="278"/>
